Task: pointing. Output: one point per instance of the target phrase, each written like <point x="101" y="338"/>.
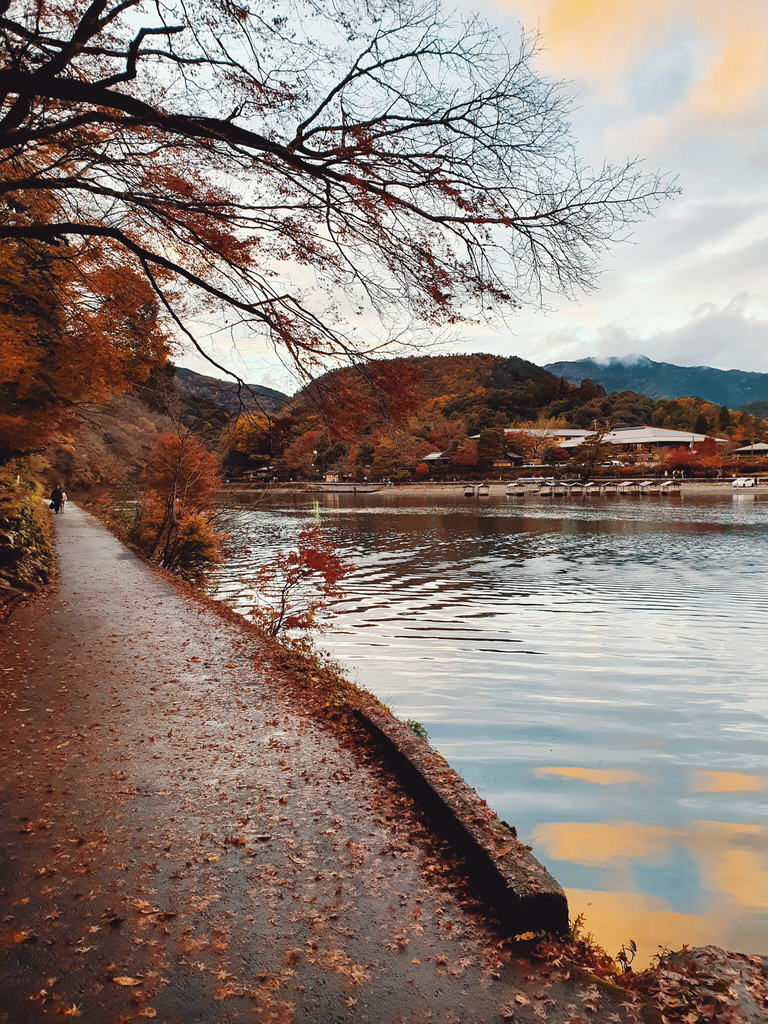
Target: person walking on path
<point x="179" y="841"/>
<point x="57" y="498"/>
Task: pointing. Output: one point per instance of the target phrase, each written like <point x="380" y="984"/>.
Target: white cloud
<point x="733" y="336"/>
<point x="683" y="83"/>
<point x="729" y="337"/>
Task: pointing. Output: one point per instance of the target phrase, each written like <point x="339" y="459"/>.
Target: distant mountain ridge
<point x="734" y="388"/>
<point x="225" y="393"/>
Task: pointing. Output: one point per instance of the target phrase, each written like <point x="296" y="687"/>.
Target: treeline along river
<point x="596" y="668"/>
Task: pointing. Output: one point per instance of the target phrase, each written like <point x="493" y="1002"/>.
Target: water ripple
<point x="543" y="643"/>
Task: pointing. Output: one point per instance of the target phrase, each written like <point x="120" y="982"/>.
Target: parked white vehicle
<point x="744" y="481"/>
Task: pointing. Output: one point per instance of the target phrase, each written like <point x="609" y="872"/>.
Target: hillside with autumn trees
<point x="380" y="420"/>
<point x="169" y="175"/>
<point x="376" y="420"/>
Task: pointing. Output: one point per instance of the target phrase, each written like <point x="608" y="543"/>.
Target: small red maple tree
<point x="294" y="590"/>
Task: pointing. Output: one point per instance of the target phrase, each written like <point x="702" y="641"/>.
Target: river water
<point x="596" y="668"/>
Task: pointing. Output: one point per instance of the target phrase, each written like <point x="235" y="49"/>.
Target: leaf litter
<point x="254" y="853"/>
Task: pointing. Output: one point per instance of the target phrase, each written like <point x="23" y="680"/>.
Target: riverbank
<point x="496" y="489"/>
<point x="184" y="839"/>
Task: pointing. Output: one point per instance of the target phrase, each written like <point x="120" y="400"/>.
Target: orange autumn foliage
<point x="77" y="324"/>
<point x="174" y="526"/>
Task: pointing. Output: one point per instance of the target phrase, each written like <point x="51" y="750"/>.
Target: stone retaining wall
<point x="523" y="894"/>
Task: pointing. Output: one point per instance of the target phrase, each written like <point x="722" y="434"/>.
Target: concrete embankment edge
<point x="524" y="896"/>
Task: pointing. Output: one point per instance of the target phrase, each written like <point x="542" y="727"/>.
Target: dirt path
<point x="178" y="843"/>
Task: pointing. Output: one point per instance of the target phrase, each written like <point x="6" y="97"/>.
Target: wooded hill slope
<point x="377" y="420"/>
<point x="110" y="449"/>
<point x="387" y="415"/>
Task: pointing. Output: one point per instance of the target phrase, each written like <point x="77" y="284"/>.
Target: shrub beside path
<point x="179" y="842"/>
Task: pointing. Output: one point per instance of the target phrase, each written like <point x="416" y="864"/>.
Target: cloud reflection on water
<point x="729" y="859"/>
<point x="593" y="660"/>
<point x="727" y="782"/>
<point x="603" y="843"/>
<point x="599" y="776"/>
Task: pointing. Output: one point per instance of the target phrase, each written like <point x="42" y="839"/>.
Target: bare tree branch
<point x="415" y="165"/>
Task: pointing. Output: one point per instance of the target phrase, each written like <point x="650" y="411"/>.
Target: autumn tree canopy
<point x="286" y="164"/>
<point x="78" y="323"/>
<point x="174" y="523"/>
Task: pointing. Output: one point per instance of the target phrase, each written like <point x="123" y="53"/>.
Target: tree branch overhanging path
<point x="413" y="165"/>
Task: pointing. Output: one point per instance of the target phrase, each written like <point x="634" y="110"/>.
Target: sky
<point x="684" y="85"/>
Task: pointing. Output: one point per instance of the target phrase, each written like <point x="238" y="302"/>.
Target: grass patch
<point x="316" y="680"/>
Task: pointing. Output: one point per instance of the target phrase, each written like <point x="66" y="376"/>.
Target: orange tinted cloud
<point x="598" y="776"/>
<point x="594" y="39"/>
<point x="734" y="80"/>
<point x="603" y="43"/>
<point x="726" y="782"/>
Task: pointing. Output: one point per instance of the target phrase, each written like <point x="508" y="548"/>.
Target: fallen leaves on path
<point x="186" y="833"/>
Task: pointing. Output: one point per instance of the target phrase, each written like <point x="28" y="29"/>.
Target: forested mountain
<point x="383" y="418"/>
<point x="227" y="394"/>
<point x="733" y="388"/>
